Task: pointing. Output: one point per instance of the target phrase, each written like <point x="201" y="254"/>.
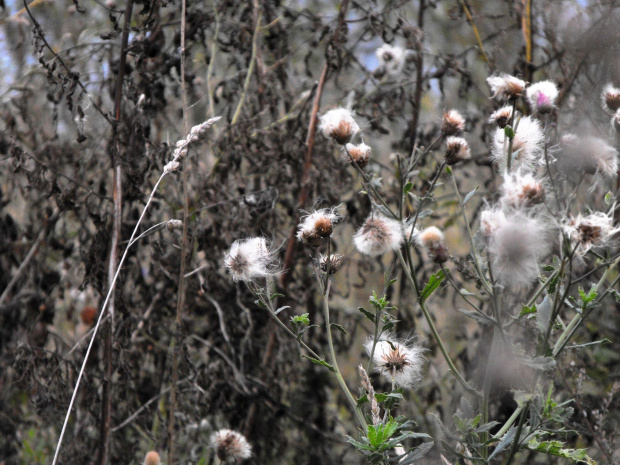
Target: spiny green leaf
<point x="301" y="319"/>
<point x="527" y="310"/>
<point x="433" y="283"/>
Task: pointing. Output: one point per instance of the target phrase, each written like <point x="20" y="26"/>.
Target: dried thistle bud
<point x="230" y="446"/>
<point x="432" y="240"/>
<point x="173" y="225"/>
<point x="522" y="190"/>
<point x="310" y="238"/>
<point x="611" y="98"/>
<point x="359" y="154"/>
<point x="249" y="259"/>
<point x="590" y="231"/>
<point x="457" y="150"/>
<point x="331" y="263"/>
<point x="172" y="166"/>
<point x="378" y="235"/>
<point x="452" y="123"/>
<point x="541" y="96"/>
<point x="319" y="224"/>
<point x="505" y="86"/>
<point x="397" y="360"/>
<point x="338" y="124"/>
<point x="152" y="458"/>
<point x="502" y="116"/>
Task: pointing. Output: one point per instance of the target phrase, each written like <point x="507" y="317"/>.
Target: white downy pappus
<point x="392" y="58"/>
<point x="318" y="224"/>
<point x="526" y="146"/>
<point x="587" y="154"/>
<point x="541" y="96"/>
<point x="505" y="86"/>
<point x="397" y="360"/>
<point x="521" y="190"/>
<point x="515" y="247"/>
<point x="230" y="446"/>
<point x="378" y="235"/>
<point x="249" y="259"/>
<point x="594" y="230"/>
<point x="338" y="124"/>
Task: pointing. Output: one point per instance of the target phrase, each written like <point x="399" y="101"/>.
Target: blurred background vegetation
<point x="87" y="123"/>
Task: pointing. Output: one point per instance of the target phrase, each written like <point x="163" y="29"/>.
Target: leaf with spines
<point x="432" y="285"/>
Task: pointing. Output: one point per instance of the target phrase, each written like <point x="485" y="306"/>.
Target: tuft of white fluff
<point x="515" y="247"/>
<point x="320" y="223"/>
<point x="587" y="154"/>
<point x="392" y="58"/>
<point x="505" y="86"/>
<point x="541" y="96"/>
<point x="526" y="146"/>
<point x="430" y="238"/>
<point x="521" y="190"/>
<point x="611" y="98"/>
<point x="399" y="361"/>
<point x="338" y="124"/>
<point x="249" y="259"/>
<point x="378" y="235"/>
<point x="491" y="220"/>
<point x="594" y="230"/>
<point x="230" y="446"/>
<point x="501" y="116"/>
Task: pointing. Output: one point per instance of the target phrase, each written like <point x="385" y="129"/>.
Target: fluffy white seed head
<point x="230" y="446"/>
<point x="502" y="116"/>
<point x="338" y="124"/>
<point x="452" y="123"/>
<point x="397" y="360"/>
<point x="392" y="58"/>
<point x="505" y="86"/>
<point x="249" y="259"/>
<point x="615" y="121"/>
<point x="541" y="96"/>
<point x="587" y="154"/>
<point x="317" y="225"/>
<point x="521" y="190"/>
<point x="611" y="98"/>
<point x="594" y="230"/>
<point x="359" y="154"/>
<point x="515" y="247"/>
<point x="152" y="458"/>
<point x="491" y="220"/>
<point x="457" y="150"/>
<point x="526" y="146"/>
<point x="430" y="238"/>
<point x="378" y="235"/>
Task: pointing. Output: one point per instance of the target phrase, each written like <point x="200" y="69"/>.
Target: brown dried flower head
<point x="457" y="150"/>
<point x="505" y="86"/>
<point x="331" y="263"/>
<point x="359" y="154"/>
<point x="452" y="123"/>
<point x="152" y="458"/>
<point x="230" y="446"/>
<point x="338" y="124"/>
<point x="501" y="117"/>
<point x="611" y="98"/>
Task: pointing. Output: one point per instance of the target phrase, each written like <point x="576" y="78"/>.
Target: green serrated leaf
<point x="555" y="448"/>
<point x="433" y="283"/>
<point x="301" y="319"/>
<point x="339" y="328"/>
<point x="367" y="314"/>
<point x="320" y="362"/>
<point x="527" y="310"/>
<point x="470" y="195"/>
